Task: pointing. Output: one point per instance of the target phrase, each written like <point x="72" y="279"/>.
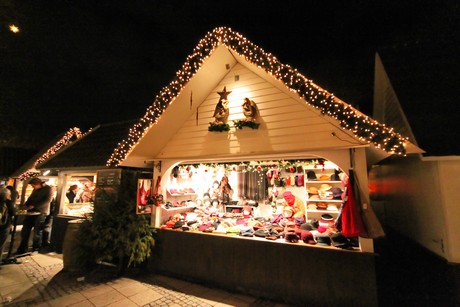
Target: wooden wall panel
<point x="286" y="124"/>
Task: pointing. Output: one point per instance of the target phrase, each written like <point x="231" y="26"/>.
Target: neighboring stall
<point x="20" y="178"/>
<point x="28" y="170"/>
<point x="422" y="190"/>
<point x="77" y="170"/>
<point x="238" y="121"/>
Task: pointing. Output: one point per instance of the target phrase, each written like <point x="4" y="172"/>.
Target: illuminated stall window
<point x="78" y="195"/>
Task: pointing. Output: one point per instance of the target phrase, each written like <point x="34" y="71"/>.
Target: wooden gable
<point x="287" y="123"/>
<point x="296" y="114"/>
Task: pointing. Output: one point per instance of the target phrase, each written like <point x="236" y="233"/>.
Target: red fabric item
<point x="143" y="195"/>
<point x="352" y="224"/>
<point x="156" y="190"/>
<point x="289" y="197"/>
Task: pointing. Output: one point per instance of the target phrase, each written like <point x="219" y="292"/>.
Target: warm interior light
<point x="238" y="94"/>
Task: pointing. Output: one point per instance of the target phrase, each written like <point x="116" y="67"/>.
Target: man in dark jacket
<point x="38" y="207"/>
<point x="6" y="217"/>
<point x="48" y="224"/>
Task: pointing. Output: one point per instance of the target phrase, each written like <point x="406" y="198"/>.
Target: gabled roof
<point x="93" y="149"/>
<point x="12" y="158"/>
<point x="387" y="108"/>
<point x="362" y="127"/>
<point x="55" y="146"/>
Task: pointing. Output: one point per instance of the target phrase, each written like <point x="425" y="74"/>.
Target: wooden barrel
<point x="71" y="263"/>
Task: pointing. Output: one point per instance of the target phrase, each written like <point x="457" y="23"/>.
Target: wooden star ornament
<point x="224" y="94"/>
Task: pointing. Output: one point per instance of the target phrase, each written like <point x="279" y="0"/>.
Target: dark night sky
<point x="82" y="63"/>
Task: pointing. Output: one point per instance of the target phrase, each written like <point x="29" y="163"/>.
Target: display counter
<point x="168" y="213"/>
<point x="294" y="273"/>
<point x="78" y="209"/>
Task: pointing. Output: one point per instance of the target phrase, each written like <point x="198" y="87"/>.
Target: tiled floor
<point x="41" y="281"/>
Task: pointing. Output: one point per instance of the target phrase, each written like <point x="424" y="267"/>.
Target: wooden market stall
<point x="234" y="106"/>
<point x="79" y="166"/>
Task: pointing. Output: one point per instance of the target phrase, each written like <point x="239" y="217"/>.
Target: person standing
<point x="14" y="195"/>
<point x="38" y="206"/>
<point x="72" y="193"/>
<point x="48" y="224"/>
<point x="6" y="212"/>
<point x="85" y="195"/>
<point x="295" y="205"/>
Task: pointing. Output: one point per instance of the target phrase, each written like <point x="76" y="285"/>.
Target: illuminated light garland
<point x="70" y="136"/>
<point x="258" y="166"/>
<point x="349" y="118"/>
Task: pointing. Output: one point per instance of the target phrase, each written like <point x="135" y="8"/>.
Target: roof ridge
<point x="64" y="140"/>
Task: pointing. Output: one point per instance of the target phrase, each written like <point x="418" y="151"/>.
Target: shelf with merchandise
<point x="326" y="174"/>
<point x="323" y="190"/>
<point x="328" y="177"/>
<point x="333" y="205"/>
<point x="338" y="201"/>
<point x="323" y="211"/>
<point x="323" y="181"/>
<point x="181" y="192"/>
<point x="326" y="165"/>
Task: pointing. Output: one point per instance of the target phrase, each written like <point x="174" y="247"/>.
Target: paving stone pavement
<point x="40" y="280"/>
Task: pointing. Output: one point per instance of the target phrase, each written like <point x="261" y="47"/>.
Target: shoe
<point x="12" y="260"/>
<point x="15" y="261"/>
<point x="19" y="252"/>
<point x="46" y="249"/>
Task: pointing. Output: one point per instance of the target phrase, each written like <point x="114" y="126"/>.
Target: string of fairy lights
<point x="70" y="136"/>
<point x="365" y="128"/>
<point x="259" y="166"/>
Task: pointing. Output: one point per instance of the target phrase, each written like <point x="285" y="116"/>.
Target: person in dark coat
<point x="14" y="194"/>
<point x="38" y="205"/>
<point x="5" y="224"/>
<point x="48" y="224"/>
<point x="72" y="193"/>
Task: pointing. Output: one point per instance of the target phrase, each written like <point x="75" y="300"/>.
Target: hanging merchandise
<point x="371" y="223"/>
<point x="158" y="197"/>
<point x="175" y="171"/>
<point x="299" y="181"/>
<point x="275" y="191"/>
<point x="253" y="185"/>
<point x="144" y="192"/>
<point x="352" y="224"/>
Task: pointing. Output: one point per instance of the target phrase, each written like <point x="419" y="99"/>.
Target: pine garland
<point x="218" y="127"/>
<point x="239" y="124"/>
